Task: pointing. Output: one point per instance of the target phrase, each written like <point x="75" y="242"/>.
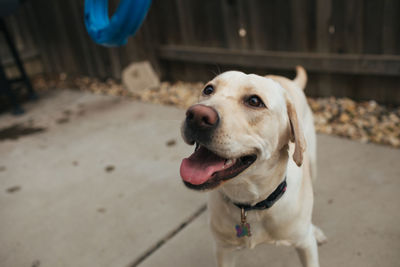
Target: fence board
<point x="26" y="38"/>
<point x="347" y="20"/>
<point x="324" y="8"/>
<point x="67" y="37"/>
<point x="323" y="39"/>
<point x="373" y="22"/>
<point x="47" y="32"/>
<point x="255" y="27"/>
<point x="391" y="27"/>
<point x="168" y="25"/>
<point x="243" y="22"/>
<point x="299" y="25"/>
<point x="283" y="23"/>
<point x="185" y="22"/>
<point x="229" y="20"/>
<point x="321" y="62"/>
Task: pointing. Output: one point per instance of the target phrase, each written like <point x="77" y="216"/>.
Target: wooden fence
<point x="350" y="47"/>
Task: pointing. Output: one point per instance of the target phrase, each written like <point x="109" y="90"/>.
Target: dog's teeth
<point x="228" y="162"/>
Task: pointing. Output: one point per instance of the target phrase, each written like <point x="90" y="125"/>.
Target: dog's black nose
<point x="202" y="117"/>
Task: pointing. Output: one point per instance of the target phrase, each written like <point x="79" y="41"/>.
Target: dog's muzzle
<point x="205" y="168"/>
<point x="201" y="121"/>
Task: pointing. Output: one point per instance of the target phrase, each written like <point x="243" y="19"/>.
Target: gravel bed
<point x="363" y="121"/>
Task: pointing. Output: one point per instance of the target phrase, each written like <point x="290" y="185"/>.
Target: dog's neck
<point x="258" y="182"/>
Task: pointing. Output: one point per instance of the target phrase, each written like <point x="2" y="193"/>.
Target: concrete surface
<point x="71" y="211"/>
<point x="98" y="185"/>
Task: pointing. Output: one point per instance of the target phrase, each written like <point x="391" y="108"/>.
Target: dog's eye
<point x="208" y="90"/>
<point x="255" y="101"/>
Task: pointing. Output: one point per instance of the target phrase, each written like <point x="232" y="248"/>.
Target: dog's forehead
<point x="232" y="83"/>
<point x="230" y="77"/>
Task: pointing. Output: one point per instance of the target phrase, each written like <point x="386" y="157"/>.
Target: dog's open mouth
<point x="206" y="170"/>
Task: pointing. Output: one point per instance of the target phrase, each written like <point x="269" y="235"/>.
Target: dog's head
<point x="240" y="120"/>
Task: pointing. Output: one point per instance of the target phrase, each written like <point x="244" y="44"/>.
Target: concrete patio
<point x="94" y="181"/>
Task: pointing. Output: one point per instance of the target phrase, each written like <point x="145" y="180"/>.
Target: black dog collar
<point x="268" y="202"/>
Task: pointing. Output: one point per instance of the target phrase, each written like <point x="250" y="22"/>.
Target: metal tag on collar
<point x="244" y="228"/>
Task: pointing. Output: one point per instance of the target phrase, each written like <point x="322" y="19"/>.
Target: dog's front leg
<point x="308" y="251"/>
<point x="225" y="257"/>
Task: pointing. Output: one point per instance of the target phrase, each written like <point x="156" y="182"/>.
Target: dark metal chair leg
<point x="5" y="87"/>
<point x="18" y="61"/>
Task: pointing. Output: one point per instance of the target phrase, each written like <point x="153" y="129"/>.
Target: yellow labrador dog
<point x="251" y="134"/>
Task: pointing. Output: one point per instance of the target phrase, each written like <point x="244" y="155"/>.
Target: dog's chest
<point x="261" y="230"/>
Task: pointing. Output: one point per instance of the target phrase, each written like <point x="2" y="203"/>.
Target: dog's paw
<point x="319" y="236"/>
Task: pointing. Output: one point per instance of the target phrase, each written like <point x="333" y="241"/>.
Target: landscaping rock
<point x="139" y="76"/>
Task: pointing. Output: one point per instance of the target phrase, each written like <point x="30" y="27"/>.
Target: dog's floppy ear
<point x="296" y="134"/>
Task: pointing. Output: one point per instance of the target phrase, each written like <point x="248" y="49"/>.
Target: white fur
<point x="265" y="132"/>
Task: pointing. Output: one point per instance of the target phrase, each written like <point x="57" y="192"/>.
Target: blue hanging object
<point x="115" y="31"/>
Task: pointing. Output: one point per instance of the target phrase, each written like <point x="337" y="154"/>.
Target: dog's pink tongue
<point x="200" y="166"/>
